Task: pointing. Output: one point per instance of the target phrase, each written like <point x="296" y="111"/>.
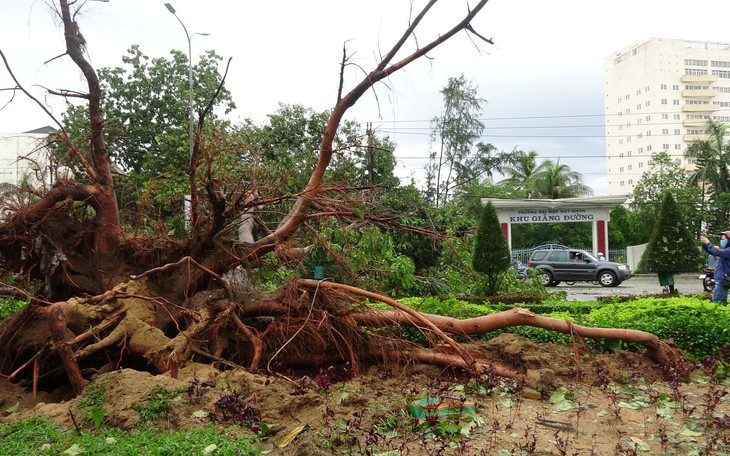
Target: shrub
<point x="693" y="324"/>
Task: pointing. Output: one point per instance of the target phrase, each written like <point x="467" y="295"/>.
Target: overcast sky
<point x="542" y="79"/>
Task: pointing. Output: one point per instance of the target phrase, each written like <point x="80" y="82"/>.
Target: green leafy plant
<point x="92" y="402"/>
<point x="158" y="403"/>
<point x="39" y="436"/>
<point x="8" y="306"/>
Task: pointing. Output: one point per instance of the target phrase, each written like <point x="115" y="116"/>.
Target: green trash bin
<point x="666" y="278"/>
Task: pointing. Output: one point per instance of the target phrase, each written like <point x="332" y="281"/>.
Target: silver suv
<point x="572" y="265"/>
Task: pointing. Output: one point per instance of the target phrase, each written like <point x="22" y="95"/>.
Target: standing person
<point x="719" y="294"/>
<point x="601" y="257"/>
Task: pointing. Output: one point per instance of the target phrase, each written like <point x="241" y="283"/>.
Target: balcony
<point x="695" y="138"/>
<point x="706" y="93"/>
<point x="699" y="78"/>
<point x="700" y="108"/>
<point x="694" y="123"/>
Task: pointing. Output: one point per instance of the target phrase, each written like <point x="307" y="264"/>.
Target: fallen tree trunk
<point x="658" y="350"/>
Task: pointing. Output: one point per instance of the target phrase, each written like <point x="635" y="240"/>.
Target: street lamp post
<point x="191" y="120"/>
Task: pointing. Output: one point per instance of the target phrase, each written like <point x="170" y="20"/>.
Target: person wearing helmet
<point x="601" y="257"/>
<point x="722" y="271"/>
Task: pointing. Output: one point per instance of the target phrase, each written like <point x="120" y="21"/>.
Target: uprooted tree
<point x="109" y="298"/>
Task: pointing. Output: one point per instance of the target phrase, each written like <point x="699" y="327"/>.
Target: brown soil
<point x="629" y="415"/>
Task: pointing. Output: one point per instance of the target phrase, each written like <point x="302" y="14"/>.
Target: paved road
<point x="637" y="285"/>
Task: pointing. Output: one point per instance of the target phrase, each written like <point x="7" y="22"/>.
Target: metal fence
<point x="524" y="254"/>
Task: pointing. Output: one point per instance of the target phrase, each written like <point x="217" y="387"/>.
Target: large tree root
<point x="658" y="350"/>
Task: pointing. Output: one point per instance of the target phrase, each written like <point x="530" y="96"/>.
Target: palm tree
<point x="521" y="172"/>
<point x="712" y="157"/>
<point x="553" y="180"/>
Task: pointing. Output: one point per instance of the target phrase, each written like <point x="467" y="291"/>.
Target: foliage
<point x="8" y="306"/>
<point x="38" y="436"/>
<point x="573" y="234"/>
<point x="157" y="404"/>
<point x="554" y="181"/>
<point x="232" y="408"/>
<point x="521" y="171"/>
<point x="712" y="173"/>
<point x="491" y="253"/>
<point x="672" y="248"/>
<point x="92" y="402"/>
<point x="457" y="160"/>
<point x="147" y="109"/>
<point x="663" y="175"/>
<point x="620" y="230"/>
<point x="693" y="324"/>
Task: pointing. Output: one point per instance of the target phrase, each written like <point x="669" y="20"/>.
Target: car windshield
<point x="588" y="256"/>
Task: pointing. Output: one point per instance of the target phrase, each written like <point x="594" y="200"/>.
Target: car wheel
<point x="607" y="279"/>
<point x="546" y="278"/>
<point x="555" y="283"/>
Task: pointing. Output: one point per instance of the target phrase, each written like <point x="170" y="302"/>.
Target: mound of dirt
<point x="582" y="402"/>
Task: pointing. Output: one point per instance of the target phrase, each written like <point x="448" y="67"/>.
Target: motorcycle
<point x="521" y="271"/>
<point x="708" y="280"/>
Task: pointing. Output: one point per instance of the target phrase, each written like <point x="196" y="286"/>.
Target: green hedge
<point x="694" y="324"/>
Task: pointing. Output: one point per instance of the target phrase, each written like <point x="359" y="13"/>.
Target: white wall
<point x="13" y="148"/>
<point x="634" y="254"/>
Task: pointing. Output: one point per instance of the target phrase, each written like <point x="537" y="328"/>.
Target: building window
<point x="675" y="87"/>
<point x="665" y="116"/>
<point x="677" y="147"/>
<point x="631" y="181"/>
<point x="665" y="131"/>
<point x="641" y="164"/>
<point x="664" y="87"/>
<point x="675" y="102"/>
<point x="648" y="149"/>
<point x="630" y="167"/>
<point x="695" y="62"/>
<point x="648" y="118"/>
<point x="665" y="146"/>
<point x="678" y="161"/>
<point x="676" y="117"/>
<point x="664" y="101"/>
<point x="621" y="169"/>
<point x="646" y="89"/>
<point x="694" y="72"/>
<point x="677" y="131"/>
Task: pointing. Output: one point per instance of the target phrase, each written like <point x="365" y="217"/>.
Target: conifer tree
<point x="672" y="247"/>
<point x="491" y="253"/>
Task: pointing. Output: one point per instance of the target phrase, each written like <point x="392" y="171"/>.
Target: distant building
<point x="659" y="95"/>
<point x="23" y="154"/>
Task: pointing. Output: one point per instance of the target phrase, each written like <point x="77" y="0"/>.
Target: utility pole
<point x="370" y="158"/>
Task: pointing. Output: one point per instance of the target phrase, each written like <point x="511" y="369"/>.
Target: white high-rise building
<point x="659" y="95"/>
